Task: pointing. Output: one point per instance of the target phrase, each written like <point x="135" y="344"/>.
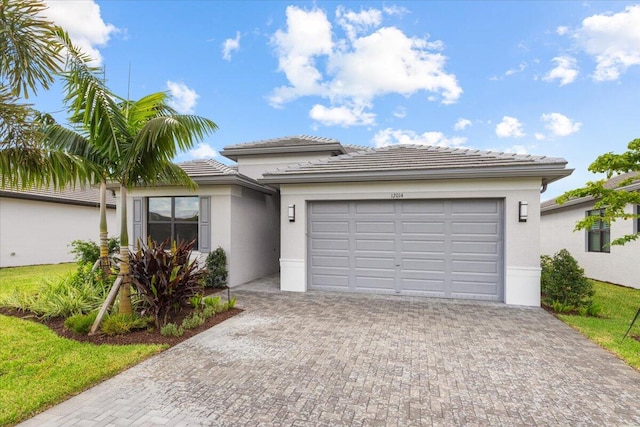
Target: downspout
<point x="544" y="186"/>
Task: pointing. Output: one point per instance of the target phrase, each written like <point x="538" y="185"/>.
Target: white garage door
<point x="440" y="248"/>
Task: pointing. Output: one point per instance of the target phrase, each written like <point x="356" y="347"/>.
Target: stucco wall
<point x="35" y="232"/>
<point x="244" y="223"/>
<point x="522" y="240"/>
<point x="620" y="266"/>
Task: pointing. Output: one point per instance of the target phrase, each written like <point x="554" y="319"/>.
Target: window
<point x="599" y="234"/>
<point x="174" y="218"/>
<point x="637" y="222"/>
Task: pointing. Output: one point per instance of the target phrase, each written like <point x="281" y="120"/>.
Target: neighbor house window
<point x="599" y="234"/>
<point x="637" y="228"/>
<point x="173" y="218"/>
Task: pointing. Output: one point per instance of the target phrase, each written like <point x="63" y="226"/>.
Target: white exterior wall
<point x="35" y="232"/>
<point x="620" y="266"/>
<point x="240" y="224"/>
<point x="522" y="240"/>
<point x="254" y="166"/>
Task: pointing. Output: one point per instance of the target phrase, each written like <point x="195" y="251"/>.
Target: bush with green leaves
<point x="193" y="321"/>
<point x="164" y="278"/>
<point x="563" y="283"/>
<point x="81" y="323"/>
<point x="79" y="292"/>
<point x="171" y="330"/>
<point x="118" y="324"/>
<point x="217" y="273"/>
<point x="88" y="252"/>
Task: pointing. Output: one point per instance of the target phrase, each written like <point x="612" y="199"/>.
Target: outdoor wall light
<point x="292" y="213"/>
<point x="523" y="211"/>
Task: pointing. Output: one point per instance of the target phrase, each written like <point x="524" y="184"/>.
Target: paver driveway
<point x="334" y="359"/>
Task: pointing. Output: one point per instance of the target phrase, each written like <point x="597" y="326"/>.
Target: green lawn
<point x="619" y="305"/>
<point x="37" y="367"/>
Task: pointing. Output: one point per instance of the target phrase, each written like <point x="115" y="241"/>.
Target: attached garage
<point x="415" y="220"/>
<point x="437" y="248"/>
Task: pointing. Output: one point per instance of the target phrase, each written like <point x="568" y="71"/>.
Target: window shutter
<point x="204" y="229"/>
<point x="138" y="223"/>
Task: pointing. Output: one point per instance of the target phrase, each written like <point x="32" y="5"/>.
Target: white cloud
<point x="395" y="10"/>
<point x="560" y="125"/>
<point x="341" y="116"/>
<point x="386" y="137"/>
<point x="203" y="151"/>
<point x="356" y="70"/>
<point x="509" y="127"/>
<point x="539" y="136"/>
<point x="562" y="30"/>
<point x="183" y="99"/>
<point x="517" y="149"/>
<point x="355" y="23"/>
<point x="400" y="112"/>
<point x="462" y="123"/>
<point x="613" y="40"/>
<point x="566" y="70"/>
<point x="230" y="45"/>
<point x="83" y="22"/>
<point x="512" y="71"/>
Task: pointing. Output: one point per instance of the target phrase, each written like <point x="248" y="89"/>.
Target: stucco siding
<point x="620" y="266"/>
<point x="521" y="240"/>
<point x="36" y="232"/>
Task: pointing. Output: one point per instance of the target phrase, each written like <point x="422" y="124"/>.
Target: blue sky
<point x="547" y="78"/>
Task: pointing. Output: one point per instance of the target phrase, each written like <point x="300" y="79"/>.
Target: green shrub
<point x="81" y="323"/>
<point x="563" y="283"/>
<point x="560" y="307"/>
<point x="164" y="279"/>
<point x="88" y="252"/>
<point x="78" y="292"/>
<point x="118" y="324"/>
<point x="192" y="321"/>
<point x="196" y="301"/>
<point x="211" y="301"/>
<point x="208" y="311"/>
<point x="216" y="276"/>
<point x="232" y="303"/>
<point x="170" y="329"/>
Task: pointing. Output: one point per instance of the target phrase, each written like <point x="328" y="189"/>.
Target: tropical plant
<point x="611" y="200"/>
<point x="88" y="252"/>
<point x="137" y="138"/>
<point x="164" y="279"/>
<point x="217" y="273"/>
<point x="564" y="286"/>
<point x="170" y="329"/>
<point x="80" y="323"/>
<point x="119" y="324"/>
<point x="30" y="56"/>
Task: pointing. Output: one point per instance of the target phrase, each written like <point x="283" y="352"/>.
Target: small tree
<point x="563" y="281"/>
<point x="613" y="201"/>
<point x="216" y="269"/>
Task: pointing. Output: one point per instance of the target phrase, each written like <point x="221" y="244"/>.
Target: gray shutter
<point x="138" y="223"/>
<point x="204" y="226"/>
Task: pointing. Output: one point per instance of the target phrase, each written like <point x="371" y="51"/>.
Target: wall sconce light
<point x="523" y="211"/>
<point x="292" y="213"/>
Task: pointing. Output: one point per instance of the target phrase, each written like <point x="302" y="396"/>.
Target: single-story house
<point x="591" y="248"/>
<point x="37" y="225"/>
<point x="406" y="219"/>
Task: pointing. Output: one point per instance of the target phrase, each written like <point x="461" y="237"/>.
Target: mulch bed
<point x="143" y="336"/>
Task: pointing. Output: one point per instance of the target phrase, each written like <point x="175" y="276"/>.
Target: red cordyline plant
<point x="163" y="278"/>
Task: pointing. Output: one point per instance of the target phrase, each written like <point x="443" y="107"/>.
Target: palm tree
<point x="138" y="140"/>
<point x="30" y="55"/>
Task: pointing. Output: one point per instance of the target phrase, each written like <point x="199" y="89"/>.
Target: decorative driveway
<point x="324" y="359"/>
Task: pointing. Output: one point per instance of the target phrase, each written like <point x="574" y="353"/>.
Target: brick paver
<point x="323" y="359"/>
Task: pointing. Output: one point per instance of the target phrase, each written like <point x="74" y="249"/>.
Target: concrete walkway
<point x="320" y="359"/>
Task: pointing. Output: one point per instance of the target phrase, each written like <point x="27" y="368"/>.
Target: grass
<point x="37" y="367"/>
<point x="619" y="305"/>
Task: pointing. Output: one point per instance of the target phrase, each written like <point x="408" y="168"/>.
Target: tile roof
<point x="614" y="182"/>
<point x="287" y="141"/>
<point x="207" y="167"/>
<point x="87" y="196"/>
<point x="408" y="158"/>
<point x="286" y="145"/>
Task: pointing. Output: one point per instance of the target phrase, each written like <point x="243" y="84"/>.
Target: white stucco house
<point x="37" y="225"/>
<point x="591" y="248"/>
<point x="408" y="220"/>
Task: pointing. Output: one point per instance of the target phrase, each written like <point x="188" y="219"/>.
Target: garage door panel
<point x="330" y="227"/>
<point x="330" y="208"/>
<point x="330" y="244"/>
<point x="445" y="248"/>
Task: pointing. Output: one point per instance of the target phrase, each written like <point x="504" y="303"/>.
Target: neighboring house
<point x="409" y="220"/>
<point x="36" y="226"/>
<point x="591" y="248"/>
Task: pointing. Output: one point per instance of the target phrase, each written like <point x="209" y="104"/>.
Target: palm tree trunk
<point x="125" y="287"/>
<point x="104" y="245"/>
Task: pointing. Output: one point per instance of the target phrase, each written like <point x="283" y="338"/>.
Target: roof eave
<point x="584" y="200"/>
<point x="548" y="173"/>
<point x="234" y="153"/>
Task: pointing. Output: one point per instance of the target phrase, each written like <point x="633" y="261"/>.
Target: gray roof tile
<point x="88" y="196"/>
<point x="287" y="141"/>
<point x="207" y="168"/>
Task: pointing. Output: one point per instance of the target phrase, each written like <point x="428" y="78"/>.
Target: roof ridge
<point x="309" y="138"/>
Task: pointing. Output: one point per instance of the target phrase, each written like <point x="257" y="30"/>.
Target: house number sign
<point x="397" y="195"/>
